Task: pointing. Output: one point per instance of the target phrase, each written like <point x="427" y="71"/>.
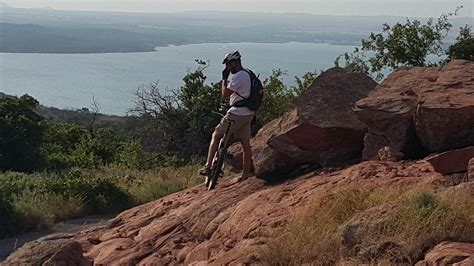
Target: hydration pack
<point x="255" y="98"/>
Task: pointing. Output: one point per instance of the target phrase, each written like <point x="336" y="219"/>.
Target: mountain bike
<point x="216" y="170"/>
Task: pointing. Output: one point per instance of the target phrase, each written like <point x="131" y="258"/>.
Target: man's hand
<point x="225" y="73"/>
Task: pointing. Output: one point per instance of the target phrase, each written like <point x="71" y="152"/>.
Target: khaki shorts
<point x="240" y="129"/>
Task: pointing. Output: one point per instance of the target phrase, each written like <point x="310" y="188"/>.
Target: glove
<point x="225" y="73"/>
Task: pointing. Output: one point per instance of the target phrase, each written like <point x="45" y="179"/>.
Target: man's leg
<point x="212" y="148"/>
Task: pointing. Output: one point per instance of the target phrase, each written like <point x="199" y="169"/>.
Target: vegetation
<point x="414" y="221"/>
<point x="408" y="44"/>
<point x="464" y="46"/>
<point x="30" y="201"/>
<point x="20" y="133"/>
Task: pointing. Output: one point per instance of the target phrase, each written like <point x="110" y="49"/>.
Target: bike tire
<point x="216" y="168"/>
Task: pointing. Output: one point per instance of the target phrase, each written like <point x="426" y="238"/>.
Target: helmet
<point x="231" y="56"/>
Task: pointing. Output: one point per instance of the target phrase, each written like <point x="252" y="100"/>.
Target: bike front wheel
<point x="216" y="168"/>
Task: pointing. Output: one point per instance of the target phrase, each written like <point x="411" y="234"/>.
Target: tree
<point x="181" y="122"/>
<point x="21" y="131"/>
<point x="464" y="46"/>
<point x="402" y="45"/>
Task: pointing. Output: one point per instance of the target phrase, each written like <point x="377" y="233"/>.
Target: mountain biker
<point x="236" y="90"/>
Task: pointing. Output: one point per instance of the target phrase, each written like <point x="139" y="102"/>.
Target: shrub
<point x="464" y="46"/>
<point x="39" y="210"/>
<point x="9" y="218"/>
<point x="402" y="45"/>
<point x="21" y="131"/>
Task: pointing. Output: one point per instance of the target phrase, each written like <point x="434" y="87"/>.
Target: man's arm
<point x="224" y="90"/>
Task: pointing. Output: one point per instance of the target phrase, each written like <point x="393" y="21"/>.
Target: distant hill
<point x="58" y="31"/>
<point x="80" y="116"/>
<point x="33" y="38"/>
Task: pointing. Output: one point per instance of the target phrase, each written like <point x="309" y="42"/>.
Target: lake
<point x="71" y="80"/>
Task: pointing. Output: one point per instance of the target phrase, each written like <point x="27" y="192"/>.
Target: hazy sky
<point x="325" y="7"/>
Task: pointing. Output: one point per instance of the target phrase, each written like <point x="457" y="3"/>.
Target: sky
<point x="410" y="8"/>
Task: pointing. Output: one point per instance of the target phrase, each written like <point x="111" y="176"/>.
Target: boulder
<point x="448" y="253"/>
<point x="454" y="161"/>
<point x="58" y="249"/>
<point x="420" y="110"/>
<point x="321" y="129"/>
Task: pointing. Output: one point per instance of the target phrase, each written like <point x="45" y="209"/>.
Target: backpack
<point x="255" y="98"/>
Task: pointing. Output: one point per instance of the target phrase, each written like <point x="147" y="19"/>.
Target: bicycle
<point x="216" y="170"/>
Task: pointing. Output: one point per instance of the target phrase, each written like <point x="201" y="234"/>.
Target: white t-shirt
<point x="240" y="83"/>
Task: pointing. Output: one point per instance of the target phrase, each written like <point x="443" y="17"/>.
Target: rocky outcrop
<point x="454" y="161"/>
<point x="450" y="253"/>
<point x="320" y="130"/>
<point x="57" y="249"/>
<point x="420" y="110"/>
<point x="229" y="224"/>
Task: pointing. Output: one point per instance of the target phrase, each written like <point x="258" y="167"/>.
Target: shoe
<point x="241" y="178"/>
<point x="205" y="171"/>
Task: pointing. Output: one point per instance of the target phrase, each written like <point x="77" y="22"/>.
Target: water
<point x="72" y="80"/>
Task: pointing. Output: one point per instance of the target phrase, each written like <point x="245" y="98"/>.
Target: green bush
<point x="464" y="46"/>
<point x="21" y="131"/>
<point x="9" y="217"/>
<point x="402" y="45"/>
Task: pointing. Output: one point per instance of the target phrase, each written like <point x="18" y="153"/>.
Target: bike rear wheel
<point x="216" y="168"/>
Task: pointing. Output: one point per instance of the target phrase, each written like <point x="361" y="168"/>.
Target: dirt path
<point x="8" y="245"/>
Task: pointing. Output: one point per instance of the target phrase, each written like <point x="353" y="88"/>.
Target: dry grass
<point x="39" y="210"/>
<point x="418" y="221"/>
<point x="148" y="185"/>
<point x="41" y="199"/>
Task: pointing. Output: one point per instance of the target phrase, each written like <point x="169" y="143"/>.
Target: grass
<point x="415" y="222"/>
<point x="148" y="185"/>
<point x="39" y="210"/>
<point x="35" y="201"/>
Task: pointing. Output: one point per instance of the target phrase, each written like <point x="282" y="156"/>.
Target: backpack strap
<point x="250" y="76"/>
<point x="243" y="102"/>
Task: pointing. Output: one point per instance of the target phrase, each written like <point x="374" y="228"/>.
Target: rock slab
<point x="58" y="249"/>
<point x="450" y="253"/>
<point x="454" y="161"/>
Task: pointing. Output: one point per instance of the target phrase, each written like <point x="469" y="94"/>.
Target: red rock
<point x="450" y="162"/>
<point x="447" y="253"/>
<point x="320" y="130"/>
<point x="420" y="110"/>
<point x="226" y="225"/>
<point x="57" y="249"/>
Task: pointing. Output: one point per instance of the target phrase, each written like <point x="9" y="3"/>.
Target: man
<point x="238" y="89"/>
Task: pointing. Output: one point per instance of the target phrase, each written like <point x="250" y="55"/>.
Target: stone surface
<point x="454" y="161"/>
<point x="228" y="224"/>
<point x="321" y="129"/>
<point x="420" y="110"/>
<point x="57" y="249"/>
<point x="450" y="253"/>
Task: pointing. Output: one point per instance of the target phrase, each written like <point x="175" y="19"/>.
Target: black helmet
<point x="231" y="56"/>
